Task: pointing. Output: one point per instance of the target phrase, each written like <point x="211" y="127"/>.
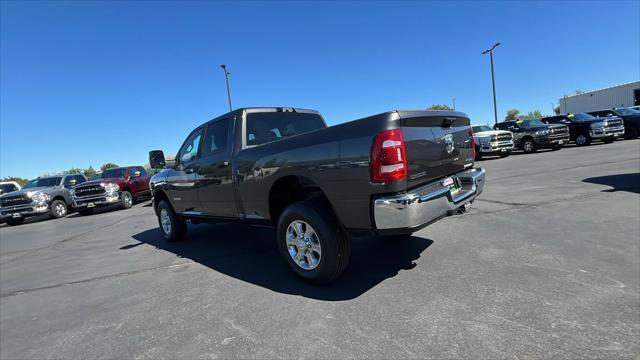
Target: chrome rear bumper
<point x="427" y="203"/>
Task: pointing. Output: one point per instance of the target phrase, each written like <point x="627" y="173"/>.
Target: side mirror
<point x="136" y="174"/>
<point x="73" y="182"/>
<point x="156" y="160"/>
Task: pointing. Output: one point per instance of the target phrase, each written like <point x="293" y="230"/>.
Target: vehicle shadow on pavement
<point x="619" y="182"/>
<point x="30" y="220"/>
<point x="250" y="254"/>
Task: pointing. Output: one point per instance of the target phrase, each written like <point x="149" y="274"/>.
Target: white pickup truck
<point x="492" y="142"/>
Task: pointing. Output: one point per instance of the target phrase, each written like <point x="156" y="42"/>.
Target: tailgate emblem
<point x="448" y="140"/>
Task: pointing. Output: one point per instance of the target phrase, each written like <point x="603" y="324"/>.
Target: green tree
<point x="536" y="114"/>
<point x="108" y="166"/>
<point x="89" y="172"/>
<point x="512" y="115"/>
<point x="73" y="171"/>
<point x="440" y="107"/>
<point x="556" y="110"/>
<point x="19" y="180"/>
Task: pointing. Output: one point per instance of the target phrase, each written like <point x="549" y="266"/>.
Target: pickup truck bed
<point x="390" y="173"/>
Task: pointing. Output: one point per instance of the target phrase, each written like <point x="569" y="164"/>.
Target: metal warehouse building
<point x="616" y="96"/>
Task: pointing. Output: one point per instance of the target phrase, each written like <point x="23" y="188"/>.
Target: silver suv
<point x="40" y="196"/>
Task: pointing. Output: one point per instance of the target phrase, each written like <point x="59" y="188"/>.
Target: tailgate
<point x="437" y="143"/>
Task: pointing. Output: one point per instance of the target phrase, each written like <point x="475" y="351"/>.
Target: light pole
<point x="226" y="75"/>
<point x="493" y="81"/>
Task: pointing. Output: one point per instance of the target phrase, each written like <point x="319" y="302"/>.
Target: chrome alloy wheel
<point x="528" y="146"/>
<point x="303" y="245"/>
<point x="581" y="139"/>
<point x="60" y="209"/>
<point x="127" y="199"/>
<point x="165" y="221"/>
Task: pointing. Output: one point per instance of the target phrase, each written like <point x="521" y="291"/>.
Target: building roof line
<point x="596" y="90"/>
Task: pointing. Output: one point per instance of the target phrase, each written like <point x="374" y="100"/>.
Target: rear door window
<point x="216" y="137"/>
<point x="265" y="127"/>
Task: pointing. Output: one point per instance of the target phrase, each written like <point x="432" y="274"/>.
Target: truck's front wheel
<point x="583" y="139"/>
<point x="58" y="209"/>
<point x="126" y="200"/>
<point x="312" y="242"/>
<point x="529" y="146"/>
<point x="172" y="225"/>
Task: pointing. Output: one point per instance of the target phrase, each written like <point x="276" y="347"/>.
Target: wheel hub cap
<point x="165" y="221"/>
<point x="303" y="245"/>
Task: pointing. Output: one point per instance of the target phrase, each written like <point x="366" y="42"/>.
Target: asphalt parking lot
<point x="545" y="265"/>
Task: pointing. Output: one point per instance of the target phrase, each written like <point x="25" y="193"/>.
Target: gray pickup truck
<point x="39" y="196"/>
<point x="389" y="174"/>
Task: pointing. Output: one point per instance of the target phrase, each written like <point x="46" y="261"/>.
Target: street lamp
<point x="493" y="81"/>
<point x="226" y="75"/>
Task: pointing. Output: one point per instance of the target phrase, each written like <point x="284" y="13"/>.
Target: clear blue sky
<point x="85" y="83"/>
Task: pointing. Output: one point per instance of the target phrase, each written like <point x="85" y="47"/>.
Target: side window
<point x="67" y="181"/>
<point x="190" y="148"/>
<point x="80" y="179"/>
<point x="131" y="172"/>
<point x="501" y="126"/>
<point x="216" y="137"/>
<point x="143" y="172"/>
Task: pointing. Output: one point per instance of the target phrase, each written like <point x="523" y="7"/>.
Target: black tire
<point x="15" y="222"/>
<point x="529" y="146"/>
<point x="556" y="147"/>
<point x="58" y="209"/>
<point x="504" y="155"/>
<point x="177" y="226"/>
<point x="85" y="212"/>
<point x="126" y="200"/>
<point x="583" y="139"/>
<point x="631" y="133"/>
<point x="609" y="140"/>
<point x="334" y="243"/>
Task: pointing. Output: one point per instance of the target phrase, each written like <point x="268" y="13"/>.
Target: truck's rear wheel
<point x="312" y="242"/>
<point x="172" y="225"/>
<point x="58" y="209"/>
<point x="126" y="200"/>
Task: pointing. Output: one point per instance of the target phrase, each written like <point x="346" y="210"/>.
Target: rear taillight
<point x="473" y="143"/>
<point x="388" y="157"/>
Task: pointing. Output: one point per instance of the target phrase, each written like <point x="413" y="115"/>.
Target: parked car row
<point x="59" y="195"/>
<point x="554" y="132"/>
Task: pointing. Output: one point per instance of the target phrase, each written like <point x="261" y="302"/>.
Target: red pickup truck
<point x="121" y="185"/>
